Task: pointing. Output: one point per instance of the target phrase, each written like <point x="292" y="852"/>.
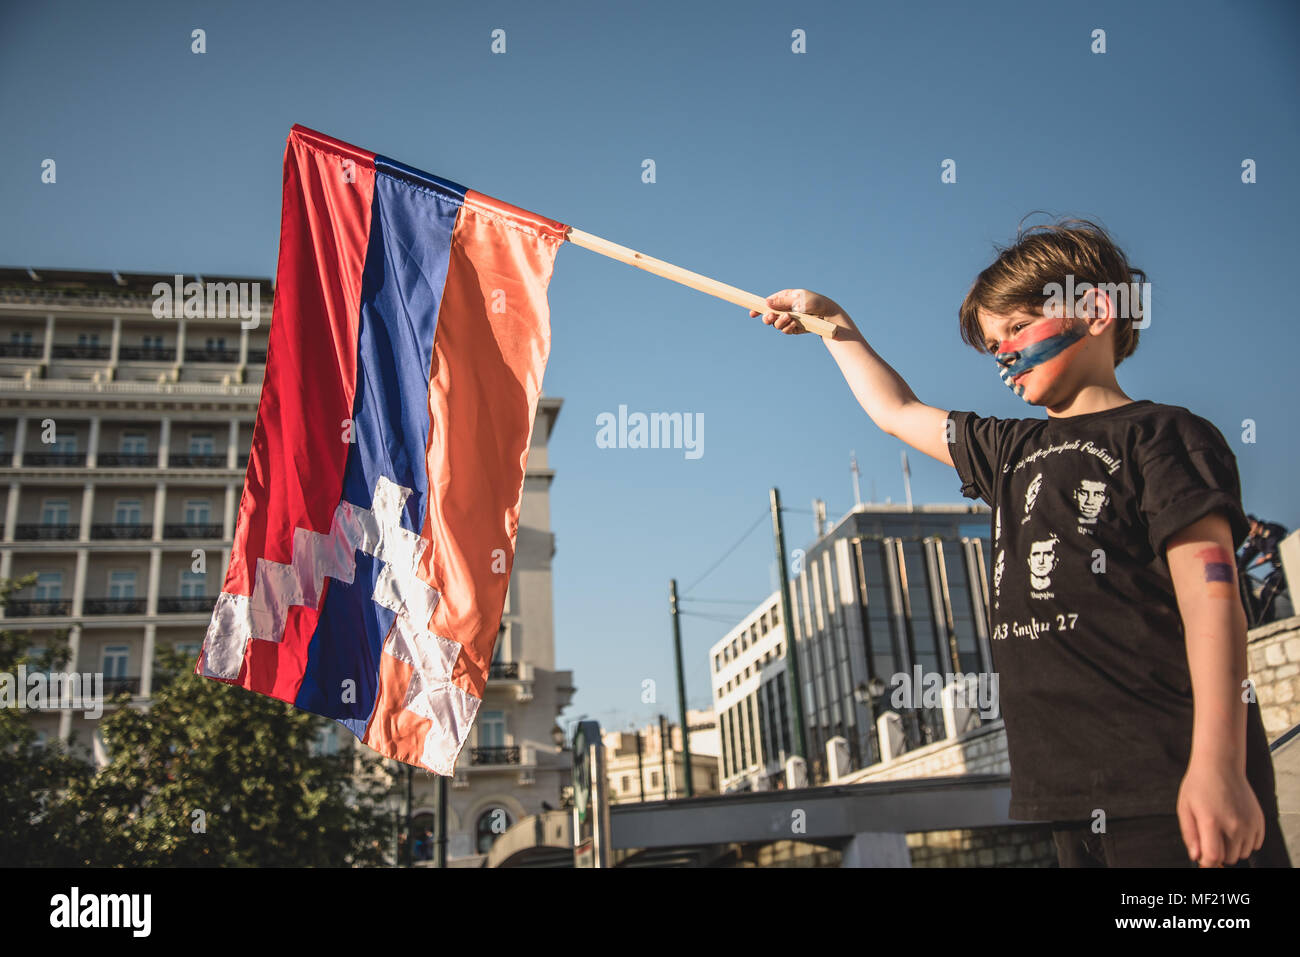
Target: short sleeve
<point x="974" y="442"/>
<point x="1186" y="477"/>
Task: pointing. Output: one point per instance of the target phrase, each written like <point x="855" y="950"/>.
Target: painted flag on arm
<point x="376" y="531"/>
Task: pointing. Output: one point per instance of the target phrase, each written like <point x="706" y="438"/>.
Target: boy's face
<point x="1049" y="382"/>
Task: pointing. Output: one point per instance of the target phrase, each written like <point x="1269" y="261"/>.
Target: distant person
<point x="1261" y="547"/>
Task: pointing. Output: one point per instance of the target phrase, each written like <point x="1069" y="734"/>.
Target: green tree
<point x="33" y="777"/>
<point x="214" y="775"/>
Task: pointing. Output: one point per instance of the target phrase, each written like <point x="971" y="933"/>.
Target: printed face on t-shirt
<point x="1042" y="557"/>
<point x="1090" y="496"/>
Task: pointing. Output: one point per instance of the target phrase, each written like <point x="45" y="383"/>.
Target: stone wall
<point x="1273" y="662"/>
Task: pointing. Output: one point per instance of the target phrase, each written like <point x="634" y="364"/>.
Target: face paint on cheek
<point x="1035" y="348"/>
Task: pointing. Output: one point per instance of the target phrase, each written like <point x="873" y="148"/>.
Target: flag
<point x="376" y="530"/>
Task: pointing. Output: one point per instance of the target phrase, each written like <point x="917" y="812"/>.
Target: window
<point x="190" y="649"/>
<point x="121" y="583"/>
<point x="216" y="344"/>
<point x="65" y="444"/>
<point x="492" y="729"/>
<point x="776" y="619"/>
<point x="193" y="584"/>
<point x="115" y="657"/>
<point x="55" y="511"/>
<point x="198" y="511"/>
<point x="88" y="338"/>
<point x="49" y="586"/>
<point x="151" y="342"/>
<point x="201" y="443"/>
<point x="763" y="624"/>
<point x="133" y="443"/>
<point x="127" y="512"/>
<point x="654" y="779"/>
<point x="23" y="338"/>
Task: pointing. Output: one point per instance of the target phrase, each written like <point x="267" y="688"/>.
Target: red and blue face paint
<point x="1040" y="343"/>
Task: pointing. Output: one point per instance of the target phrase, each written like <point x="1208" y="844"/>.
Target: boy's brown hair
<point x="1047" y="254"/>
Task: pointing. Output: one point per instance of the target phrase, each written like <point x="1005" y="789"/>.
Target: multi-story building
<point x="638" y="769"/>
<point x="889" y="588"/>
<point x="124" y="438"/>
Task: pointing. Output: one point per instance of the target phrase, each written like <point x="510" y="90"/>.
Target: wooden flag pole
<point x="817" y="324"/>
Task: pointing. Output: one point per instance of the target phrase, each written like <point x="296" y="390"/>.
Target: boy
<point x="1117" y="625"/>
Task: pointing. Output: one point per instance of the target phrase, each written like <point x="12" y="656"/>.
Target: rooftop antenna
<point x="853" y="467"/>
<point x="907" y="481"/>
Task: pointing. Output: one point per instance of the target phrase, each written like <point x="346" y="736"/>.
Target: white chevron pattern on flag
<point x="237" y="619"/>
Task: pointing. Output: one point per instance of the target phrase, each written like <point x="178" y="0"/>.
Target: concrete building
<point x="124" y="439"/>
<point x="887" y="589"/>
<point x="642" y="777"/>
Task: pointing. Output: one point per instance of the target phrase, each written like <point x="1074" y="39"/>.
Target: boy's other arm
<point x="1220" y="815"/>
<point x="881" y="391"/>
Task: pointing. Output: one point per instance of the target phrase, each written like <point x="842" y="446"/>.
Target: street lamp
<point x="869" y="693"/>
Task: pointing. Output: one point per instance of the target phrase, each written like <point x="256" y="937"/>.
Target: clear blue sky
<point x="774" y="170"/>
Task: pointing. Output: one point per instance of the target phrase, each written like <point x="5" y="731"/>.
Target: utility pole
<point x="664" y="745"/>
<point x="640" y="767"/>
<point x="792" y="658"/>
<point x="442" y="822"/>
<point x="681" y="685"/>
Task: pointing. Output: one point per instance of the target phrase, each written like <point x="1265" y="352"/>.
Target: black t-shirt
<point x="1087" y="637"/>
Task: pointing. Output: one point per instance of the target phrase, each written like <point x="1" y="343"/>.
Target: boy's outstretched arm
<point x="1218" y="811"/>
<point x="880" y="390"/>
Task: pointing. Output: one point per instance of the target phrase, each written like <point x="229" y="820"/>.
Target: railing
<point x="256" y="355"/>
<point x="146" y="353"/>
<point x="117" y="686"/>
<point x="79" y="352"/>
<point x="54" y="458"/>
<point x="132" y="388"/>
<point x="211" y="355"/>
<point x="21" y="350"/>
<point x="197" y="461"/>
<point x="135" y="531"/>
<point x="133" y="460"/>
<point x="114" y="606"/>
<point x="243" y="461"/>
<point x="504" y="669"/>
<point x="45" y="533"/>
<point x="37" y="607"/>
<point x="187" y="603"/>
<point x="495" y="756"/>
<point x="190" y="530"/>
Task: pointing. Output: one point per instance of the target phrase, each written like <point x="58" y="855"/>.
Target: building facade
<point x="124" y="438"/>
<point x="639" y="770"/>
<point x="888" y="589"/>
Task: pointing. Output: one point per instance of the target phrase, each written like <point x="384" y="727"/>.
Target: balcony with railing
<point x="146" y="354"/>
<point x="197" y="460"/>
<point x="191" y="530"/>
<point x="211" y="355"/>
<point x="186" y="604"/>
<point x="127" y="460"/>
<point x="495" y="755"/>
<point x="37" y="607"/>
<point x="133" y="531"/>
<point x="114" y="606"/>
<point x="504" y="670"/>
<point x="81" y="350"/>
<point x="121" y="685"/>
<point x="21" y="350"/>
<point x="45" y="533"/>
<point x="66" y="459"/>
